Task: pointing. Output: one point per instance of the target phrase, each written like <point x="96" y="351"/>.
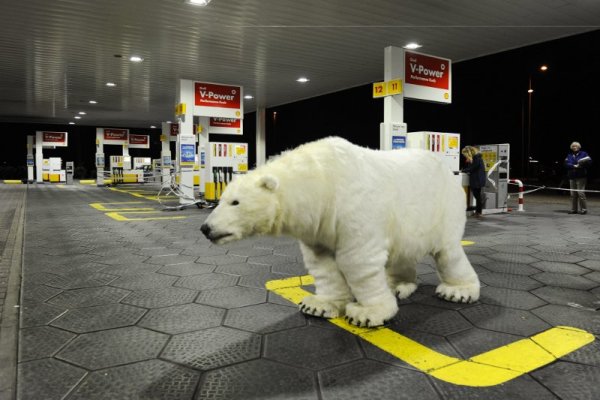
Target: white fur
<point x="364" y="219"/>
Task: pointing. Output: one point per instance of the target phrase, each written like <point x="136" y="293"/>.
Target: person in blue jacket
<point x="577" y="163"/>
<point x="476" y="170"/>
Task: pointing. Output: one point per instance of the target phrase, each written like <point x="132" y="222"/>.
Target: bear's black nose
<point x="205" y="228"/>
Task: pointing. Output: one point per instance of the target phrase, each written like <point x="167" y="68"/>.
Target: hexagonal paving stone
<point x="131" y="269"/>
<point x="41" y="342"/>
<point x="312" y="347"/>
<point x="558" y="257"/>
<point x="513" y="258"/>
<point x="207" y="281"/>
<point x="183" y="318"/>
<point x="157" y="251"/>
<point x="510" y="298"/>
<point x="163" y="297"/>
<point x="36" y="314"/>
<point x="570" y="381"/>
<point x="588" y="255"/>
<point x="428" y="319"/>
<point x="272" y="260"/>
<point x="510" y="268"/>
<point x="500" y="319"/>
<point x="588" y="354"/>
<point x="249" y="252"/>
<point x="593" y="276"/>
<point x="48" y="377"/>
<point x="243" y="269"/>
<point x="504" y="248"/>
<point x="170" y="259"/>
<point x="232" y="297"/>
<point x="148" y="380"/>
<point x="591" y="264"/>
<point x="554" y="248"/>
<point x="90" y="319"/>
<point x="202" y="251"/>
<point x="254" y="380"/>
<point x="560" y="268"/>
<point x="294" y="269"/>
<point x="221" y="260"/>
<point x="259" y="280"/>
<point x="557" y="315"/>
<point x="113" y="347"/>
<point x="523" y="387"/>
<point x="264" y="318"/>
<point x="123" y="259"/>
<point x="509" y="281"/>
<point x="213" y="348"/>
<point x="188" y="269"/>
<point x="475" y="341"/>
<point x="564" y="280"/>
<point x="38" y="293"/>
<point x="366" y="379"/>
<point x="144" y="281"/>
<point x="88" y="297"/>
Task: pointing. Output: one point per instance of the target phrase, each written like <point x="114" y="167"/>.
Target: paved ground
<point x="128" y="308"/>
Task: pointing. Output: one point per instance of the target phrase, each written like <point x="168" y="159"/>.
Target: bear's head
<point x="249" y="206"/>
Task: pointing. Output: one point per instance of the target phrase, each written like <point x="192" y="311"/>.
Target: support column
<point x="393" y="106"/>
<point x="30" y="159"/>
<point x="203" y="126"/>
<point x="100" y="164"/>
<point x="186" y="141"/>
<point x="261" y="142"/>
<point x="165" y="155"/>
<point x="39" y="158"/>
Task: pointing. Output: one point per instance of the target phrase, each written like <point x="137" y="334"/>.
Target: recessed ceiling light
<point x="93" y="102"/>
<point x="201" y="3"/>
<point x="529" y="90"/>
<point x="152" y="127"/>
<point x="168" y="122"/>
<point x="248" y="97"/>
<point x="71" y="123"/>
<point x="302" y="79"/>
<point x="111" y="84"/>
<point x="82" y="113"/>
<point x="412" y="46"/>
<point x="136" y="59"/>
<point x="77" y="117"/>
<point x="544" y="68"/>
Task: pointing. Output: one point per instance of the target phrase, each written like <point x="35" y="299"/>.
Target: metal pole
<point x="529" y="92"/>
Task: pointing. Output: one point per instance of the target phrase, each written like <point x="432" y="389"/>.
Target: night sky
<point x="490" y="105"/>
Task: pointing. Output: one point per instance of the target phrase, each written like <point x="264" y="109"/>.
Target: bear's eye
<point x="235" y="203"/>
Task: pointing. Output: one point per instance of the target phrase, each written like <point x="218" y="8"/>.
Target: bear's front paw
<point x="372" y="315"/>
<point x="320" y="306"/>
<point x="459" y="293"/>
<point x="405" y="289"/>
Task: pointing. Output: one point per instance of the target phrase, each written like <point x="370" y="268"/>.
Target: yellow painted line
<point x="491" y="368"/>
<point x="103" y="208"/>
<point x="467" y="243"/>
<point x="118" y="216"/>
<point x="13" y="181"/>
<point x="87" y="181"/>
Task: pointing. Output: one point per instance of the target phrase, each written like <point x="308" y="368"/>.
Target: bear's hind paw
<point x="405" y="289"/>
<point x="318" y="306"/>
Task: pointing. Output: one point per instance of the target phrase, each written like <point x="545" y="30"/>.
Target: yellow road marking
<point x="491" y="368"/>
<point x="467" y="243"/>
<point x="87" y="182"/>
<point x="120" y="217"/>
<point x="101" y="206"/>
<point x="13" y="181"/>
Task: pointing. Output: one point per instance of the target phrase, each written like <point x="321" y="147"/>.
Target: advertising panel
<point x="116" y="136"/>
<point x="58" y="139"/>
<point x="217" y="100"/>
<point x="228" y="126"/>
<point x="188" y="154"/>
<point x="139" y="141"/>
<point x="427" y="77"/>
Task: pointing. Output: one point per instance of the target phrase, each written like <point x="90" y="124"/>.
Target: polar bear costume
<point x="364" y="219"/>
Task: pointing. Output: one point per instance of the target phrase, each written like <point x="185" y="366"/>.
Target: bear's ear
<point x="269" y="182"/>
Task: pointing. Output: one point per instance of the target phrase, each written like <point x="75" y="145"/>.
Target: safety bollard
<point x="521" y="190"/>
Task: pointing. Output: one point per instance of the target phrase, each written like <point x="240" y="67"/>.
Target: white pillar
<point x="393" y="106"/>
<point x="261" y="142"/>
<point x="204" y="124"/>
<point x="165" y="155"/>
<point x="30" y="159"/>
<point x="39" y="157"/>
<point x="100" y="164"/>
<point x="186" y="137"/>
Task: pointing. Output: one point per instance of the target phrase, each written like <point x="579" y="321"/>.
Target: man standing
<point x="577" y="163"/>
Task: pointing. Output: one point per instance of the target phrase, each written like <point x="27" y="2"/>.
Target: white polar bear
<point x="364" y="219"/>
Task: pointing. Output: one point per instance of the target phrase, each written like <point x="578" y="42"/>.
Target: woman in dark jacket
<point x="476" y="170"/>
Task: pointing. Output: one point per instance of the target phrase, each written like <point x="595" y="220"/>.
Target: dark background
<point x="490" y="105"/>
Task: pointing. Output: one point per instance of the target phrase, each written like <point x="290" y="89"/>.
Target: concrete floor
<point x="119" y="305"/>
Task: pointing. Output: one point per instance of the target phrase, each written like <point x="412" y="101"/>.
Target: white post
<point x="30" y="159"/>
<point x="393" y="106"/>
<point x="165" y="155"/>
<point x="39" y="157"/>
<point x="261" y="142"/>
<point x="204" y="124"/>
<point x="100" y="164"/>
<point x="186" y="138"/>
